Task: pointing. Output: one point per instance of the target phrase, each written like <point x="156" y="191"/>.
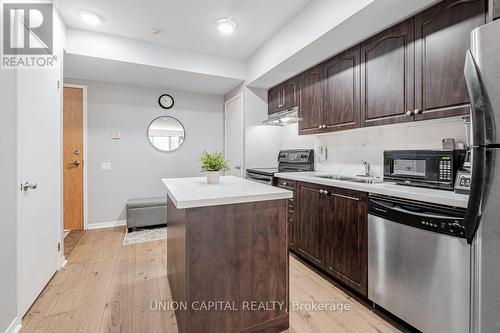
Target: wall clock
<point x="166" y="101"/>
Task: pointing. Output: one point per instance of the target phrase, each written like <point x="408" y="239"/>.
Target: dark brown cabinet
<point x="332" y="232"/>
<point x="291" y="212"/>
<point x="345" y="223"/>
<point x="310" y="224"/>
<point x="311" y="100"/>
<point x="442" y="38"/>
<point x="387" y="74"/>
<point x="341" y="83"/>
<point x="283" y="96"/>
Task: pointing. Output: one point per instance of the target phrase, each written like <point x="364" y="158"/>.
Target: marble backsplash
<point x="347" y="149"/>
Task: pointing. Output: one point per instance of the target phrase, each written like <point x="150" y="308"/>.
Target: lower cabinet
<point x="291" y="213"/>
<point x="332" y="232"/>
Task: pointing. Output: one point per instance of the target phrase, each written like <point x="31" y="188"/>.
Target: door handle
<point x="237" y="167"/>
<point x="28" y="186"/>
<point x="76" y="163"/>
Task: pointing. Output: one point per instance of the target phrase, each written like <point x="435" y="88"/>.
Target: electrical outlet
<point x="106" y="166"/>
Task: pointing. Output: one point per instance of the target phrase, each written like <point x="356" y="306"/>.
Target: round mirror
<point x="166" y="133"/>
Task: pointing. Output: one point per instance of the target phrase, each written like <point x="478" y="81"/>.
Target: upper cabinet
<point x="341" y="91"/>
<point x="442" y="38"/>
<point x="411" y="71"/>
<point x="283" y="96"/>
<point x="311" y="101"/>
<point x="387" y="74"/>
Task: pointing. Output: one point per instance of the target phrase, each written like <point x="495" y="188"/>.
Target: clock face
<point x="166" y="101"/>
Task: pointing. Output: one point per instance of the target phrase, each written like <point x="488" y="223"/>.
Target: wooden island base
<point x="228" y="267"/>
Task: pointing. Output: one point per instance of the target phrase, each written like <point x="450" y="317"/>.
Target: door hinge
<point x="58" y="84"/>
<point x="58" y="247"/>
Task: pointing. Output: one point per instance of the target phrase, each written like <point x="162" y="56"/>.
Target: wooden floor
<point x="108" y="287"/>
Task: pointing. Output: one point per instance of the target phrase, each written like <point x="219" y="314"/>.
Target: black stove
<point x="292" y="160"/>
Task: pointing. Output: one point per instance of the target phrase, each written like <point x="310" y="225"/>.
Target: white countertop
<point x="195" y="192"/>
<point x="448" y="198"/>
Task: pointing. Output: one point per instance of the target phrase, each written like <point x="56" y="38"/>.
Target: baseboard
<point x="62" y="261"/>
<point x="15" y="326"/>
<point x="111" y="224"/>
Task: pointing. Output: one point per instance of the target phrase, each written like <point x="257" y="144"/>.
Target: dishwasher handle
<point x="400" y="208"/>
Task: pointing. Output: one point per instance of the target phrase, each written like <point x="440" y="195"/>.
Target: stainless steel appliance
<point x="482" y="221"/>
<point x="419" y="263"/>
<point x="292" y="160"/>
<point x="425" y="168"/>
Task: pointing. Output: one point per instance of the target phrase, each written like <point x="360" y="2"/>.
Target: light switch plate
<point x="115" y="134"/>
<point x="106" y="166"/>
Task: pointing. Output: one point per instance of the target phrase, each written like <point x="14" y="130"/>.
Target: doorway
<point x="74" y="156"/>
<point x="234" y="135"/>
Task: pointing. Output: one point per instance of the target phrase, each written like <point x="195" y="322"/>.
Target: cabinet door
<point x="341" y="91"/>
<point x="290" y="94"/>
<point x="442" y="38"/>
<point x="346" y="229"/>
<point x="311" y="101"/>
<point x="273" y="99"/>
<point x="495" y="9"/>
<point x="310" y="225"/>
<point x="387" y="61"/>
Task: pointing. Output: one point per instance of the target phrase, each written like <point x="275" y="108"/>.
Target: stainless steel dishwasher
<point x="419" y="263"/>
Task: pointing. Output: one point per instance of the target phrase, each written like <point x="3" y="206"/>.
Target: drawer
<point x="286" y="184"/>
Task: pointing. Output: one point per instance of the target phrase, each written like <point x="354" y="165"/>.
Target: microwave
<point x="424" y="168"/>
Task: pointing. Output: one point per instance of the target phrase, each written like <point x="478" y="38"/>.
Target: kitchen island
<point x="227" y="255"/>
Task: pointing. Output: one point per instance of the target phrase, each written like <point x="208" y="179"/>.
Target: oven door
<point x="260" y="178"/>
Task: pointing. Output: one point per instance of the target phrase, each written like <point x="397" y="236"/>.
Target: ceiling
<point x="188" y="24"/>
<point x="78" y="67"/>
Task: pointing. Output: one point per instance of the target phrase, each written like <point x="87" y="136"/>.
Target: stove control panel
<point x="296" y="156"/>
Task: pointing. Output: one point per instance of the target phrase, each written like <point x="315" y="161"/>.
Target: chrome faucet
<point x="367" y="168"/>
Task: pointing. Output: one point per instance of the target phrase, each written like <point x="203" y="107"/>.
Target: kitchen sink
<point x="360" y="179"/>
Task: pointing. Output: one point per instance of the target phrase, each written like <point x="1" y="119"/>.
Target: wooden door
<point x="311" y="101"/>
<point x="290" y="94"/>
<point x="442" y="39"/>
<point x="310" y="225"/>
<point x="341" y="91"/>
<point x="346" y="247"/>
<point x="73" y="158"/>
<point x="387" y="76"/>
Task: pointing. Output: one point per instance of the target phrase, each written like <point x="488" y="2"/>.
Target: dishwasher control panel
<point x="445" y="220"/>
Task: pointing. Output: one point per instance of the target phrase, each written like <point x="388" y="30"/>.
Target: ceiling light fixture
<point x="226" y="26"/>
<point x="154" y="30"/>
<point x="89" y="17"/>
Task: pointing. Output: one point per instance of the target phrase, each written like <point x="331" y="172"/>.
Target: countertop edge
<point x="429" y="197"/>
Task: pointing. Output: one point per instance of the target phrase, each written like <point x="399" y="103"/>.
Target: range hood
<point x="284" y="117"/>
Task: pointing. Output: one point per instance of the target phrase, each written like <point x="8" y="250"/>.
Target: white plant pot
<point x="213" y="177"/>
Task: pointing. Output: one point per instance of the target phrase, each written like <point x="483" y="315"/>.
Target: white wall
<point x="137" y="168"/>
<point x="346" y="149"/>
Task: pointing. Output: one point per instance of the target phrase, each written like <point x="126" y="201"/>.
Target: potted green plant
<point x="213" y="164"/>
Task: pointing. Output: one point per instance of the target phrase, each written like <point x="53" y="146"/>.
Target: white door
<point x="39" y="202"/>
<point x="233" y="135"/>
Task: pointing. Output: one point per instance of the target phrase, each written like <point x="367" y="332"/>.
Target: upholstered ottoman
<point x="145" y="212"/>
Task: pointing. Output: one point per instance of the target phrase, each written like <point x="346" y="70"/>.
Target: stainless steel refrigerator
<point x="482" y="73"/>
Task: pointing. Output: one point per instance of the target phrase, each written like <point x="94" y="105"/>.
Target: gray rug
<point x="145" y="235"/>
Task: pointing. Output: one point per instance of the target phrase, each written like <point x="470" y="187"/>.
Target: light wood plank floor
<point x="108" y="287"/>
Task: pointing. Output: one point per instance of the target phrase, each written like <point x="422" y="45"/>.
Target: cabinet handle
<point x="324" y="125"/>
<point x="344" y="196"/>
<point x="417" y="111"/>
<point x="409" y="113"/>
<point x="320" y="126"/>
<point x="321" y="191"/>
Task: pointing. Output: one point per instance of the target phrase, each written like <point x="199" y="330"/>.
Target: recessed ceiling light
<point x="89" y="17"/>
<point x="226" y="26"/>
<point x="154" y="30"/>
